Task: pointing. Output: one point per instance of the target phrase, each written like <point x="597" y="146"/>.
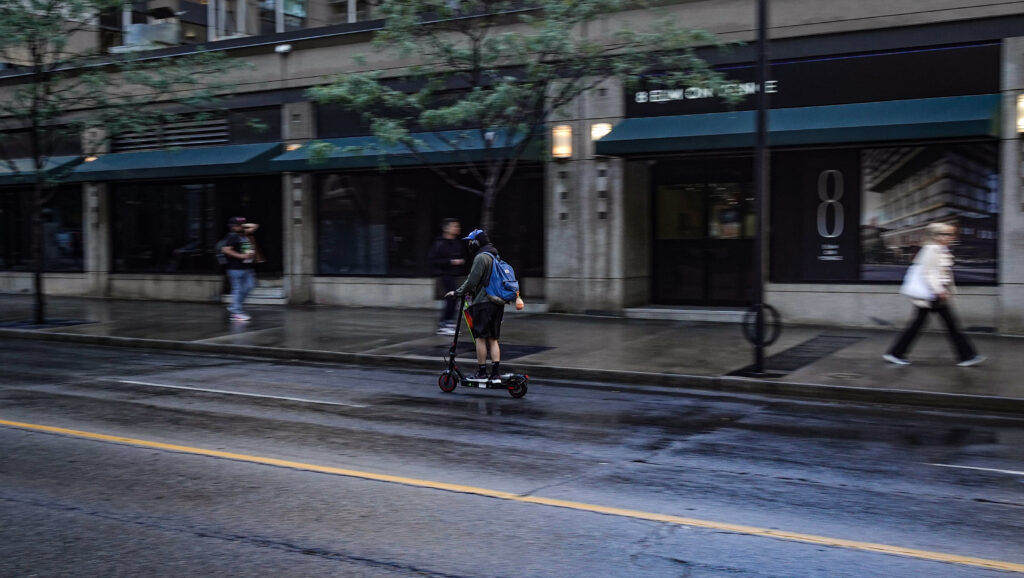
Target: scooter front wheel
<point x="518" y="387"/>
<point x="448" y="382"/>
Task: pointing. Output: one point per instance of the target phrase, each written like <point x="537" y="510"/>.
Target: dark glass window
<point x="18" y="144"/>
<point x="255" y="125"/>
<point x="294" y="15"/>
<point x="373" y="223"/>
<point x="173" y="227"/>
<point x="62" y="231"/>
<point x="334" y="121"/>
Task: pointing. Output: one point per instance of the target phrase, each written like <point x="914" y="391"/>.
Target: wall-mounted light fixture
<point x="561" y="141"/>
<point x="90" y="158"/>
<point x="283" y="48"/>
<point x="599" y="129"/>
<point x="1020" y="113"/>
<point x="292" y="147"/>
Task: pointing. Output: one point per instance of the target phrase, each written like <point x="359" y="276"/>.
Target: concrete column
<point x="96" y="238"/>
<point x="586" y="213"/>
<point x="299" y="236"/>
<point x="222" y="18"/>
<point x="298" y="122"/>
<point x="211" y="20"/>
<point x="1011" y="226"/>
<point x="242" y="8"/>
<point x="299" y="200"/>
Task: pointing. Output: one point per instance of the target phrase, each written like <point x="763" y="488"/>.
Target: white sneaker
<point x="240" y="317"/>
<point x="972" y="361"/>
<point x="895" y="360"/>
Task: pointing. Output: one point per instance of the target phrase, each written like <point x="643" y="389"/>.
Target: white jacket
<point x="937" y="269"/>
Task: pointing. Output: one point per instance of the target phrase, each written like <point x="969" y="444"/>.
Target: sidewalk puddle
<point x="803" y="354"/>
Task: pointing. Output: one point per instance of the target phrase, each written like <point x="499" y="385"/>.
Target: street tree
<point x="59" y="86"/>
<point x="486" y="75"/>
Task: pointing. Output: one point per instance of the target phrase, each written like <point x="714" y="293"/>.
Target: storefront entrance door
<point x="703" y="233"/>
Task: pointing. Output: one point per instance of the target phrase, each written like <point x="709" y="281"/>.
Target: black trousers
<point x="448" y="283"/>
<point x="961" y="346"/>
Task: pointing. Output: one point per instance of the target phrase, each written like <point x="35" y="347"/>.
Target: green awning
<point x="925" y="118"/>
<point x="175" y="163"/>
<point x="24" y="172"/>
<point x="447" y="147"/>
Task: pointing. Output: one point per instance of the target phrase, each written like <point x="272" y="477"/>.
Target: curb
<point x="722" y="384"/>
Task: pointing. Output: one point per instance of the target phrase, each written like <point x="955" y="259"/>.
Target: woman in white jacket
<point x="936" y="264"/>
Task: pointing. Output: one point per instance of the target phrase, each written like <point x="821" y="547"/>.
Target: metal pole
<point x="760" y="181"/>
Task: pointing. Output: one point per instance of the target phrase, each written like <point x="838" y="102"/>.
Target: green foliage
<point x="508" y="65"/>
<point x="62" y="87"/>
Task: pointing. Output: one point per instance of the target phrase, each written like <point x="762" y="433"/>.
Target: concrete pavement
<point x="832" y="364"/>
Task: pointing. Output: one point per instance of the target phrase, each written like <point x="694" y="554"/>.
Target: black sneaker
<point x="496" y="374"/>
<point x="481" y="375"/>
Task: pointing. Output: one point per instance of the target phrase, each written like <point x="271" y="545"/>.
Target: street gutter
<point x="724" y="384"/>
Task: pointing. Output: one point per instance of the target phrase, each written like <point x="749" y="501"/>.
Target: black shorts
<point x="487" y="319"/>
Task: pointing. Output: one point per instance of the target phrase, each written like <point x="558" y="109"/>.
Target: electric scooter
<point x="453" y="377"/>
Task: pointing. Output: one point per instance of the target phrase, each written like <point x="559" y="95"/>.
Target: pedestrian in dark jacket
<point x="448" y="260"/>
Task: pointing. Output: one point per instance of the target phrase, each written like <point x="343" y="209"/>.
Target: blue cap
<point x="473" y="235"/>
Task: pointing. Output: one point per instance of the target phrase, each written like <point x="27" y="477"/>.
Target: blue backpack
<point x="502" y="287"/>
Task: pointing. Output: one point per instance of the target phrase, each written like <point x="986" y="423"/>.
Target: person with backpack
<point x="239" y="250"/>
<point x="492" y="284"/>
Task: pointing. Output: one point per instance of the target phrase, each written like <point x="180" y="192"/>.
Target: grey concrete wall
<point x="53" y="283"/>
<point x="878" y="306"/>
<point x="197" y="288"/>
<point x="374" y="292"/>
<point x="1011" y="225"/>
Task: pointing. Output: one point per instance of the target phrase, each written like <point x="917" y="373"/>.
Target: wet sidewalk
<point x="831" y="364"/>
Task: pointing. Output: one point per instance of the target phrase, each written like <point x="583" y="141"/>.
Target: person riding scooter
<point x="486" y="314"/>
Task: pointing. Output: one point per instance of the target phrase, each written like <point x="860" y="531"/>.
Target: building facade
<point x="884" y="117"/>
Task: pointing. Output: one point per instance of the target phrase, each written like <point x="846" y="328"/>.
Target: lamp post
<point x="760" y="184"/>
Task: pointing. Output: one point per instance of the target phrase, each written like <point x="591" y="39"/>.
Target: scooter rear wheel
<point x="448" y="382"/>
<point x="518" y="387"/>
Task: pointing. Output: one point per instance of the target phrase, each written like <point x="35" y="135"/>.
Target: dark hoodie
<point x="479" y="275"/>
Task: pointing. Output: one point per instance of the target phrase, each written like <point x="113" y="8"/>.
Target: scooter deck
<point x="502" y="383"/>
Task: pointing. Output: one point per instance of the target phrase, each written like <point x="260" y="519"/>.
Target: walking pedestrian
<point x="935" y="265"/>
<point x="240" y="250"/>
<point x="448" y="259"/>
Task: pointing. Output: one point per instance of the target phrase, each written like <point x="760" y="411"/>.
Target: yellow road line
<point x="581" y="506"/>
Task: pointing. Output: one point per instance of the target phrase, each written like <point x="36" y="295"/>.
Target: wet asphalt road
<point x="938" y="481"/>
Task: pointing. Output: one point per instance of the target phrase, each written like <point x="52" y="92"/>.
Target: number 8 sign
<point x="830" y="197"/>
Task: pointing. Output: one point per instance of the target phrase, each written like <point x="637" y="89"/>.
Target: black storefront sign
<point x="816" y="198"/>
<point x="923" y="73"/>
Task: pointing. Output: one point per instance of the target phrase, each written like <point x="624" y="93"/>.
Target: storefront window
<point x="373" y="223"/>
<point x="954" y="184"/>
<point x="173" y="227"/>
<point x="62" y="231"/>
<point x="861" y="214"/>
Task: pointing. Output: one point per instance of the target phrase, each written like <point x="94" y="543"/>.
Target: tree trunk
<point x="487" y="209"/>
<point x="38" y="252"/>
